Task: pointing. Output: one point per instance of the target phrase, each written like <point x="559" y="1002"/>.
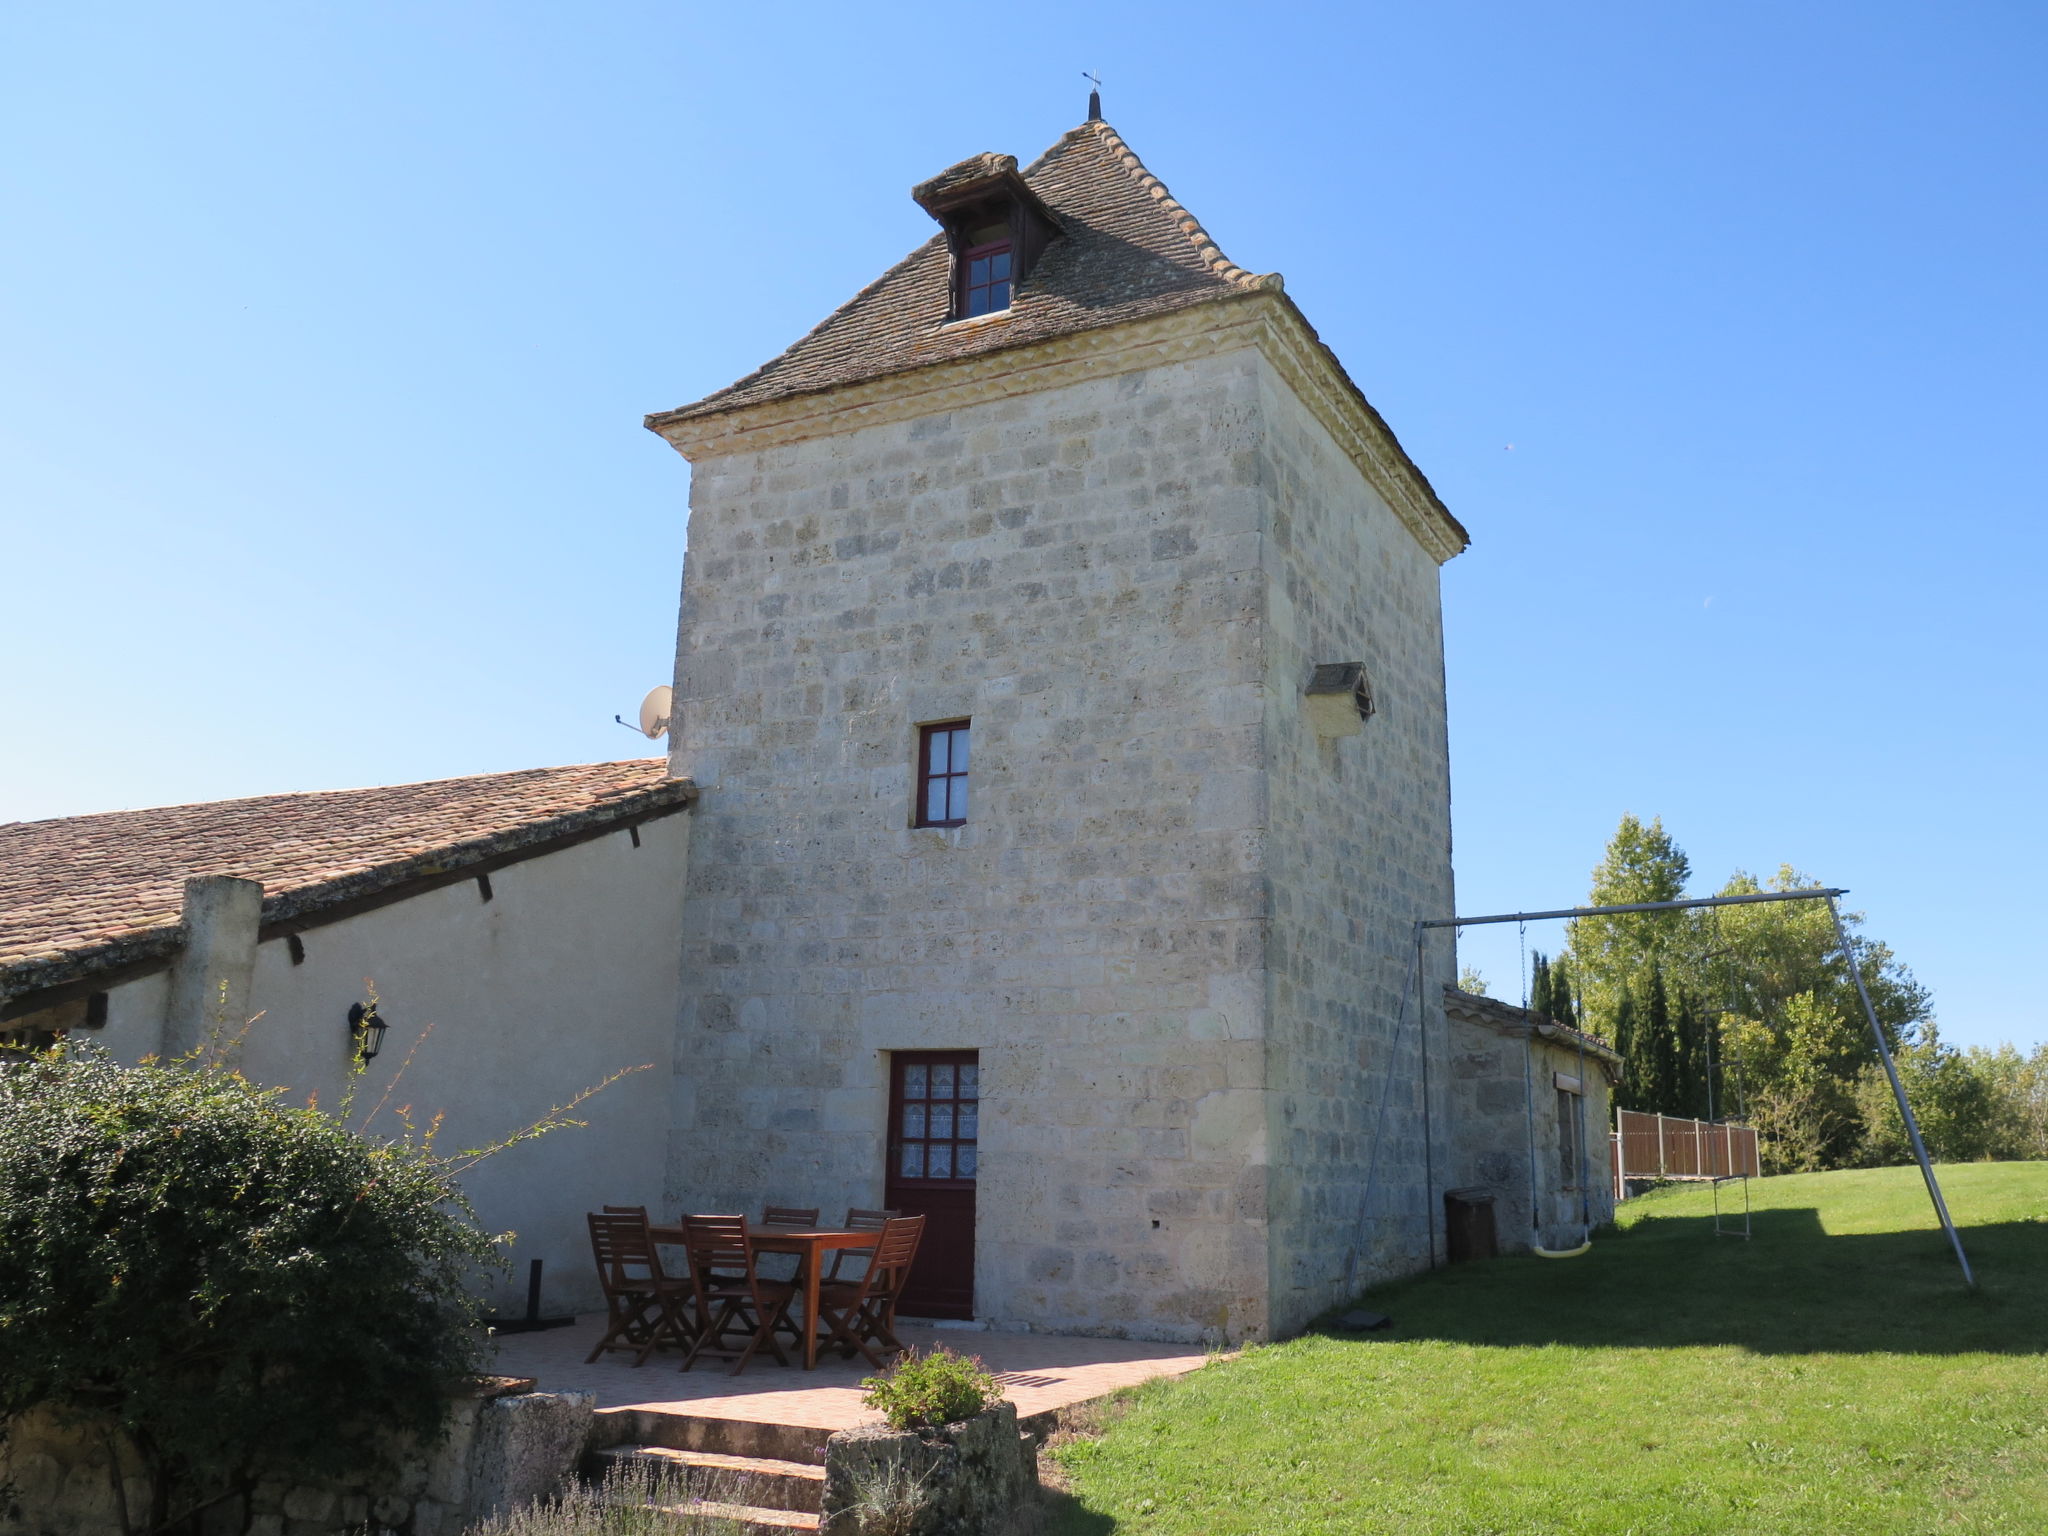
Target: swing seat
<point x="1562" y="1253"/>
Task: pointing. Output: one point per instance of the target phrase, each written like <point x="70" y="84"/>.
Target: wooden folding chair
<point x="860" y="1221"/>
<point x="643" y="1305"/>
<point x="856" y="1313"/>
<point x="730" y="1293"/>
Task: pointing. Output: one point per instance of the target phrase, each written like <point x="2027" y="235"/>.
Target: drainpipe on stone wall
<point x="210" y="982"/>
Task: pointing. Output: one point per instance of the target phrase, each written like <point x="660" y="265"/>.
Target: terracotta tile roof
<point x="1509" y="1019"/>
<point x="1127" y="250"/>
<point x="84" y="894"/>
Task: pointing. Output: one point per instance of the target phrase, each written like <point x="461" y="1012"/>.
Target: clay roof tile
<point x="1127" y="250"/>
<point x="85" y="894"/>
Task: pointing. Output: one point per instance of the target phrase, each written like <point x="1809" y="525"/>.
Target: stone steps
<point x="750" y="1520"/>
<point x="804" y="1444"/>
<point x="757" y="1481"/>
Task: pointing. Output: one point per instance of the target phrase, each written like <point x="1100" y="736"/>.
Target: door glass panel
<point x="942" y="1121"/>
<point x="913" y="1162"/>
<point x="942" y="1082"/>
<point x="913" y="1082"/>
<point x="913" y="1121"/>
<point x="965" y="1159"/>
<point x="970" y="1081"/>
<point x="942" y="1163"/>
<point x="970" y="1115"/>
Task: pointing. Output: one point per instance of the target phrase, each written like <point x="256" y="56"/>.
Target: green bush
<point x="244" y="1289"/>
<point x="925" y="1391"/>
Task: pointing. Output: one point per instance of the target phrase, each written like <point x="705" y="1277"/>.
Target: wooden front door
<point x="934" y="1128"/>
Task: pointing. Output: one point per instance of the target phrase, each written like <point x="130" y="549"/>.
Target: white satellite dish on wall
<point x="654" y="710"/>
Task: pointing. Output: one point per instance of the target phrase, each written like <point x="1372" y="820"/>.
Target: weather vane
<point x="1094" y="77"/>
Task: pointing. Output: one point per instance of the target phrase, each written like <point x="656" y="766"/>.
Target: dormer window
<point x="996" y="228"/>
<point x="985" y="278"/>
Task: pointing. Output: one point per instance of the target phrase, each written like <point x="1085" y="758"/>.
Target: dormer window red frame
<point x="985" y="279"/>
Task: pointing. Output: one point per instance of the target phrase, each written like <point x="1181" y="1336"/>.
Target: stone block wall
<point x="974" y="1478"/>
<point x="1508" y="1131"/>
<point x="1358" y="847"/>
<point x="1077" y="571"/>
<point x="500" y="1453"/>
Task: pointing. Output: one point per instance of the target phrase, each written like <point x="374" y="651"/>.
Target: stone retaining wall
<point x="966" y="1479"/>
<point x="499" y="1453"/>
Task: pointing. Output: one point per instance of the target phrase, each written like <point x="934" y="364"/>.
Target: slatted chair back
<point x="894" y="1254"/>
<point x="857" y="1220"/>
<point x="790" y="1216"/>
<point x="718" y="1244"/>
<point x="626" y="1210"/>
<point x="860" y="1315"/>
<point x="730" y="1294"/>
<point x="625" y="1255"/>
<point x="640" y="1301"/>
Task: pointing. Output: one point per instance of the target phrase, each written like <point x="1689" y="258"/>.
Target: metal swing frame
<point x="1412" y="974"/>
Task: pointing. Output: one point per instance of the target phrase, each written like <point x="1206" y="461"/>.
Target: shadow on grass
<point x="1669" y="1282"/>
<point x="1058" y="1513"/>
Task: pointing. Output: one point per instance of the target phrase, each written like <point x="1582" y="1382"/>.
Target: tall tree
<point x="1635" y="1088"/>
<point x="1658" y="1055"/>
<point x="1564" y="1006"/>
<point x="1613" y="957"/>
<point x="1792" y="1024"/>
<point x="1540" y="1000"/>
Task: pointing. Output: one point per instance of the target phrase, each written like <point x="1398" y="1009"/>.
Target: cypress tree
<point x="1540" y="987"/>
<point x="1661" y="1048"/>
<point x="1630" y="1094"/>
<point x="1689" y="1039"/>
<point x="1565" y="1008"/>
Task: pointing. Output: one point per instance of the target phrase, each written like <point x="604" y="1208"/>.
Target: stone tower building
<point x="1061" y="663"/>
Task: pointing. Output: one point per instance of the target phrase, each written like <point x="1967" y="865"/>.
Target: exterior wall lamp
<point x="1339" y="699"/>
<point x="365" y="1030"/>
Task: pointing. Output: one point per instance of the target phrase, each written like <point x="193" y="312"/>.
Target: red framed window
<point x="935" y="1120"/>
<point x="942" y="774"/>
<point x="985" y="279"/>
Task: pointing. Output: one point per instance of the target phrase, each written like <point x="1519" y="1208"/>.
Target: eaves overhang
<point x="1262" y="317"/>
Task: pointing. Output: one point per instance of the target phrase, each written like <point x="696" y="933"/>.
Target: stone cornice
<point x="1265" y="319"/>
<point x="1312" y="371"/>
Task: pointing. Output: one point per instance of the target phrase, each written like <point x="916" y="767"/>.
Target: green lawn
<point x="1832" y="1375"/>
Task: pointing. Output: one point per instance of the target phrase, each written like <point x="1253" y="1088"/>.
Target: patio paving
<point x="1039" y="1372"/>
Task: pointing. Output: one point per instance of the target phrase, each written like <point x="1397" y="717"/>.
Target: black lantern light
<point x="365" y="1030"/>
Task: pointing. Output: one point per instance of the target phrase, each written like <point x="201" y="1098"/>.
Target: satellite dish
<point x="654" y="710"/>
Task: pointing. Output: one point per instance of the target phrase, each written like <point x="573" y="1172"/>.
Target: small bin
<point x="1468" y="1224"/>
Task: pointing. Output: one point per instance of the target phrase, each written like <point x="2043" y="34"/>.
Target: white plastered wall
<point x="507" y="1008"/>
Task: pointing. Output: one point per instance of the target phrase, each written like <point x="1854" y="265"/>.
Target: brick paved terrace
<point x="1039" y="1372"/>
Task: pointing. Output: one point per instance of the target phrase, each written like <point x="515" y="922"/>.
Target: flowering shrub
<point x="925" y="1391"/>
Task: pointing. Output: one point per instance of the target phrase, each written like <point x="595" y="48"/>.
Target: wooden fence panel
<point x="1666" y="1147"/>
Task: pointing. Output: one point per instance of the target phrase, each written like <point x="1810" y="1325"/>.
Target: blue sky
<point x="326" y="332"/>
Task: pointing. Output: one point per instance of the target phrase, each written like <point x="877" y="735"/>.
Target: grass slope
<point x="1831" y="1375"/>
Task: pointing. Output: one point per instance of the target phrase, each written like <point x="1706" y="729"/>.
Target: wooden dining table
<point x="809" y="1244"/>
